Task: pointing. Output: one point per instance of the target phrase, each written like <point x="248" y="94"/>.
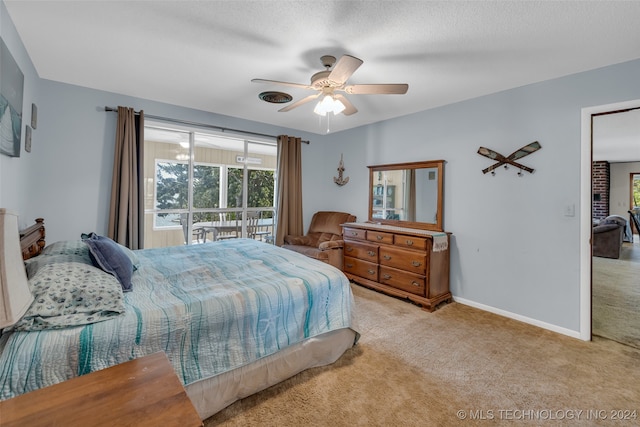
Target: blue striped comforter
<point x="211" y="308"/>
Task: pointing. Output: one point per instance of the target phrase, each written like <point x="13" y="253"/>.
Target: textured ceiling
<point x="203" y="54"/>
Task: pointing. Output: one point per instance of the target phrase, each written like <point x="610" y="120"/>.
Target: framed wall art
<point x="27" y="139"/>
<point x="34" y="116"/>
<point x="11" y="87"/>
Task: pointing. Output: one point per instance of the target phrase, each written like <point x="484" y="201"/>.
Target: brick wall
<point x="600" y="189"/>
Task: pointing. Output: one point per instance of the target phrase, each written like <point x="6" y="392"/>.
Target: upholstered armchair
<point x="608" y="237"/>
<point x="323" y="241"/>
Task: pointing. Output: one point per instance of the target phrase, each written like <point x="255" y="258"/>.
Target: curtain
<point x="289" y="203"/>
<point x="126" y="214"/>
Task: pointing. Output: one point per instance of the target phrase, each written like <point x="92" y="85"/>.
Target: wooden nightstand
<point x="141" y="392"/>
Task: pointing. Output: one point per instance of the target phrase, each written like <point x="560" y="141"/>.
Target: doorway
<point x="588" y="155"/>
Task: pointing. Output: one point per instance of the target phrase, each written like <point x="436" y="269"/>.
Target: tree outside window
<point x="172" y="191"/>
<point x="260" y="187"/>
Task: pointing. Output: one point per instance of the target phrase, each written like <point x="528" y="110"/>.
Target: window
<point x="260" y="188"/>
<point x="195" y="178"/>
<point x="635" y="191"/>
<point x="172" y="190"/>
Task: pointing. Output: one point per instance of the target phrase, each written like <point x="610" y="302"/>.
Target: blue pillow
<point x="67" y="247"/>
<point x="109" y="257"/>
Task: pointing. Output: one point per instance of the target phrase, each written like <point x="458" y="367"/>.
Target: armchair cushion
<point x="323" y="241"/>
<point x="297" y="240"/>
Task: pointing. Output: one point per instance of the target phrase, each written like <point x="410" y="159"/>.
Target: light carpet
<point x="457" y="366"/>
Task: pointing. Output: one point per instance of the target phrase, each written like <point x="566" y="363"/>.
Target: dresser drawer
<point x="380" y="237"/>
<point x="360" y="250"/>
<point x="406" y="281"/>
<point x="361" y="268"/>
<point x="412" y="261"/>
<point x="418" y="243"/>
<point x="354" y="233"/>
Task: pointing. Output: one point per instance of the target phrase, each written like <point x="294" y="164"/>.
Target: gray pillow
<point x="70" y="293"/>
<point x="108" y="256"/>
<point x="78" y="247"/>
<point x="34" y="265"/>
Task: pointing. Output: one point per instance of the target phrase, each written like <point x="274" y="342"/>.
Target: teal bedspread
<point x="211" y="308"/>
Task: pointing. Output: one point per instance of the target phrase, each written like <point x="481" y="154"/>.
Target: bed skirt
<point x="211" y="395"/>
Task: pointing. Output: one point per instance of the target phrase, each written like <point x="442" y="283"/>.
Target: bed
<point x="234" y="317"/>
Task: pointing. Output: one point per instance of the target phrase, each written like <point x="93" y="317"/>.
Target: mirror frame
<point x="439" y="165"/>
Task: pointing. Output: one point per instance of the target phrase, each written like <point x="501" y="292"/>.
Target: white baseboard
<point x="534" y="322"/>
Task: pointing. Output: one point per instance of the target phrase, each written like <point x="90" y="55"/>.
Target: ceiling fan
<point x="332" y="80"/>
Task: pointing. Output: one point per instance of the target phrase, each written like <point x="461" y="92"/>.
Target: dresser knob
<point x="387" y="276"/>
<point x="414" y="283"/>
<point x="387" y="257"/>
<point x="349" y="265"/>
<point x="371" y="253"/>
<point x="354" y="233"/>
<point x="371" y="272"/>
<point x="409" y="242"/>
<point x="349" y="249"/>
<point x="416" y="263"/>
<point x="379" y="237"/>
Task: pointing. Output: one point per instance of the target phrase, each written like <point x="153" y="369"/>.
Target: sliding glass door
<point x="201" y="187"/>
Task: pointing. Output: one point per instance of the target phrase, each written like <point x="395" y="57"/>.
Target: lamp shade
<point x="15" y="294"/>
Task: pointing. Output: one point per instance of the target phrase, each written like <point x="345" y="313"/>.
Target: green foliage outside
<point x="172" y="188"/>
<point x="260" y="189"/>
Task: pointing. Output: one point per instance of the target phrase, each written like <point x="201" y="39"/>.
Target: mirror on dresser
<point x="407" y="194"/>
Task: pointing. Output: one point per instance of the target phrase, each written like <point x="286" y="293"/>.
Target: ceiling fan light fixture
<point x="334" y="78"/>
<point x="338" y="107"/>
<point x="329" y="105"/>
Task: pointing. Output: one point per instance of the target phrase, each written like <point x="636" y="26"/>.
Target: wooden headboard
<point x="32" y="239"/>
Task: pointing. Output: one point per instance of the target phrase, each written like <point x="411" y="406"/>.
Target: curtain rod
<point x="204" y="125"/>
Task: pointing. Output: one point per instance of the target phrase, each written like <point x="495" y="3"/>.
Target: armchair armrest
<point x="331" y="244"/>
<point x="297" y="240"/>
<point x="604" y="228"/>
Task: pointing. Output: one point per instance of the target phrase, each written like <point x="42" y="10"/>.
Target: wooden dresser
<point x="398" y="261"/>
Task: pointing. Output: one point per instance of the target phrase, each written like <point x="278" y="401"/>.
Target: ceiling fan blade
<point x="275" y="82"/>
<point x="299" y="102"/>
<point x="349" y="109"/>
<point x="383" y="89"/>
<point x="344" y="68"/>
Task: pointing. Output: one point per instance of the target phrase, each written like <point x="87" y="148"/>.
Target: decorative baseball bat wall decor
<point x="511" y="159"/>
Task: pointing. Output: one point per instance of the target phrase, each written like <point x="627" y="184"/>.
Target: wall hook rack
<point x="511" y="159"/>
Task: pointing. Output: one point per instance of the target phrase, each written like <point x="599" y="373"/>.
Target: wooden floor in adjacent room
<point x="616" y="296"/>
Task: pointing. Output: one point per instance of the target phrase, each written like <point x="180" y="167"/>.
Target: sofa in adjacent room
<point x="608" y="236"/>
